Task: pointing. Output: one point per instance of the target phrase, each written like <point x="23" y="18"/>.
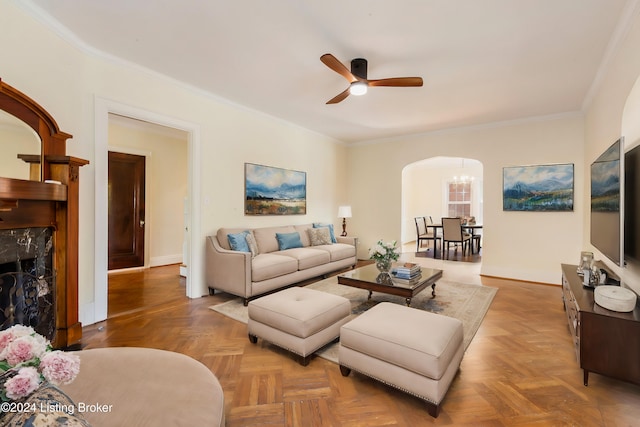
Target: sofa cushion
<point x="304" y="236"/>
<point x="330" y="227"/>
<point x="266" y="237"/>
<point x="319" y="236"/>
<point x="267" y="266"/>
<point x="238" y="241"/>
<point x="288" y="240"/>
<point x="338" y="251"/>
<point x="307" y="257"/>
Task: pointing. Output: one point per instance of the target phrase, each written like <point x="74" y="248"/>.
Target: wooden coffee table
<point x="368" y="278"/>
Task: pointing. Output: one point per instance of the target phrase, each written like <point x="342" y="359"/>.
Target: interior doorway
<point x="147" y="185"/>
<point x="126" y="210"/>
<point x="96" y="310"/>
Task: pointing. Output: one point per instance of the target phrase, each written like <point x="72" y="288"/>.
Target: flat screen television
<point x="632" y="205"/>
<point x="605" y="227"/>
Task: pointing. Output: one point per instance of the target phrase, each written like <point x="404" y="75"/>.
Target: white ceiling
<point x="482" y="61"/>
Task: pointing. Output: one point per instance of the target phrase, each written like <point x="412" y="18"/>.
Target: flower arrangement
<point x="27" y="360"/>
<point x="384" y="254"/>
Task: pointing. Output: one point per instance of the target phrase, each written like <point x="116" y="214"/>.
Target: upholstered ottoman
<point x="131" y="386"/>
<point x="298" y="319"/>
<point x="413" y="350"/>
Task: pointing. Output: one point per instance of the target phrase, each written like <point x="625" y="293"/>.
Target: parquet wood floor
<point x="520" y="369"/>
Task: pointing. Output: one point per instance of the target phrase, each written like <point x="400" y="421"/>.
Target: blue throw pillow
<point x="288" y="240"/>
<point x="330" y="227"/>
<point x="238" y="241"/>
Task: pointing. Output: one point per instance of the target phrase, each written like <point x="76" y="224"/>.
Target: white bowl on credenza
<point x="615" y="298"/>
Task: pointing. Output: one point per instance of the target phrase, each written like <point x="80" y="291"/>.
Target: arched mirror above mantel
<point x="20" y="116"/>
<point x="17" y="141"/>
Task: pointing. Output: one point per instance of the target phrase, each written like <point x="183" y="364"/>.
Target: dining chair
<point x="429" y="222"/>
<point x="423" y="234"/>
<point x="452" y="233"/>
<point x="476" y="235"/>
<point x="476" y="242"/>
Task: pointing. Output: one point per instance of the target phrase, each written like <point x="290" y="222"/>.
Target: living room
<point x="80" y="88"/>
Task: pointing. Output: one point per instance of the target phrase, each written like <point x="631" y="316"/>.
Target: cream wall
<point x="520" y="245"/>
<point x="631" y="113"/>
<point x="606" y="121"/>
<point x="69" y="83"/>
<point x="166" y="182"/>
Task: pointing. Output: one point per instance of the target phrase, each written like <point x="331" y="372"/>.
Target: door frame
<point x="148" y="202"/>
<point x="195" y="282"/>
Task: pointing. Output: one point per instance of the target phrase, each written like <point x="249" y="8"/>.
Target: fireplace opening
<point x="27" y="279"/>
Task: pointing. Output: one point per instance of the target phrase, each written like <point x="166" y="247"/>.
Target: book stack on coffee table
<point x="406" y="273"/>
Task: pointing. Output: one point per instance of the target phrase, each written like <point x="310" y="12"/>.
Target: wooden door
<point x="126" y="210"/>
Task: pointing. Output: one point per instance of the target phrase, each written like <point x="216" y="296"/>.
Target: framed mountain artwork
<point x="543" y="188"/>
<point x="274" y="191"/>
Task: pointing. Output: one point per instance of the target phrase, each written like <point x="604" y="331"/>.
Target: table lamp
<point x="344" y="212"/>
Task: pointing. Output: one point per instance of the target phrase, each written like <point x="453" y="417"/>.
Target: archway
<point x="425" y="190"/>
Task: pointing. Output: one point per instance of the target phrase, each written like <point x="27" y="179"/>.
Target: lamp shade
<point x="344" y="212"/>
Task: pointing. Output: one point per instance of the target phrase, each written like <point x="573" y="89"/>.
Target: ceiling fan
<point x="357" y="77"/>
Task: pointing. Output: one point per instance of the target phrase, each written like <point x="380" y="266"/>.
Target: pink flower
<point x="16" y="331"/>
<point x="25" y="348"/>
<point x="59" y="367"/>
<point x="6" y="337"/>
<point x="23" y="384"/>
<point x="21" y="330"/>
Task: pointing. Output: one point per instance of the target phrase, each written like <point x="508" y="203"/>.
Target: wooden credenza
<point x="606" y="342"/>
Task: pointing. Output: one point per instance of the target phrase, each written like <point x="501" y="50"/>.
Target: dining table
<point x="471" y="228"/>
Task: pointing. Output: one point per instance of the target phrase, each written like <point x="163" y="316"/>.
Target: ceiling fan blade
<point x="337" y="66"/>
<point x="397" y="81"/>
<point x="340" y="97"/>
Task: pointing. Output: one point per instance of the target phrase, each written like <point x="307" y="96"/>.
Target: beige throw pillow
<point x="319" y="236"/>
<point x="253" y="246"/>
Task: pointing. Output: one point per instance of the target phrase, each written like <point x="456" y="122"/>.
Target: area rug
<point x="468" y="303"/>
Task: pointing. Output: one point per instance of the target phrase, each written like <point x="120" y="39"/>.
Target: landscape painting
<point x="274" y="191"/>
<point x="538" y="188"/>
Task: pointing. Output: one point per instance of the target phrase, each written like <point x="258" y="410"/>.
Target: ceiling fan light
<point x="358" y="88"/>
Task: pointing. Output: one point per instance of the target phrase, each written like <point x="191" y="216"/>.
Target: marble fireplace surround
<point x="27" y="279"/>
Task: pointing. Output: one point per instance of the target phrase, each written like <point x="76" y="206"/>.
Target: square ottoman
<point x="298" y="319"/>
<point x="413" y="350"/>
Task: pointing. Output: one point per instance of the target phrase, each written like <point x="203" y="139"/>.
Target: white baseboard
<point x="537" y="276"/>
<point x="165" y="260"/>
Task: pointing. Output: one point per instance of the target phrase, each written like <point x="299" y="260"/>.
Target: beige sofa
<point x="245" y="275"/>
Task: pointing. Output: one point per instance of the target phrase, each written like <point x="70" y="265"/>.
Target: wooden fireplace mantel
<point x="37" y="203"/>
